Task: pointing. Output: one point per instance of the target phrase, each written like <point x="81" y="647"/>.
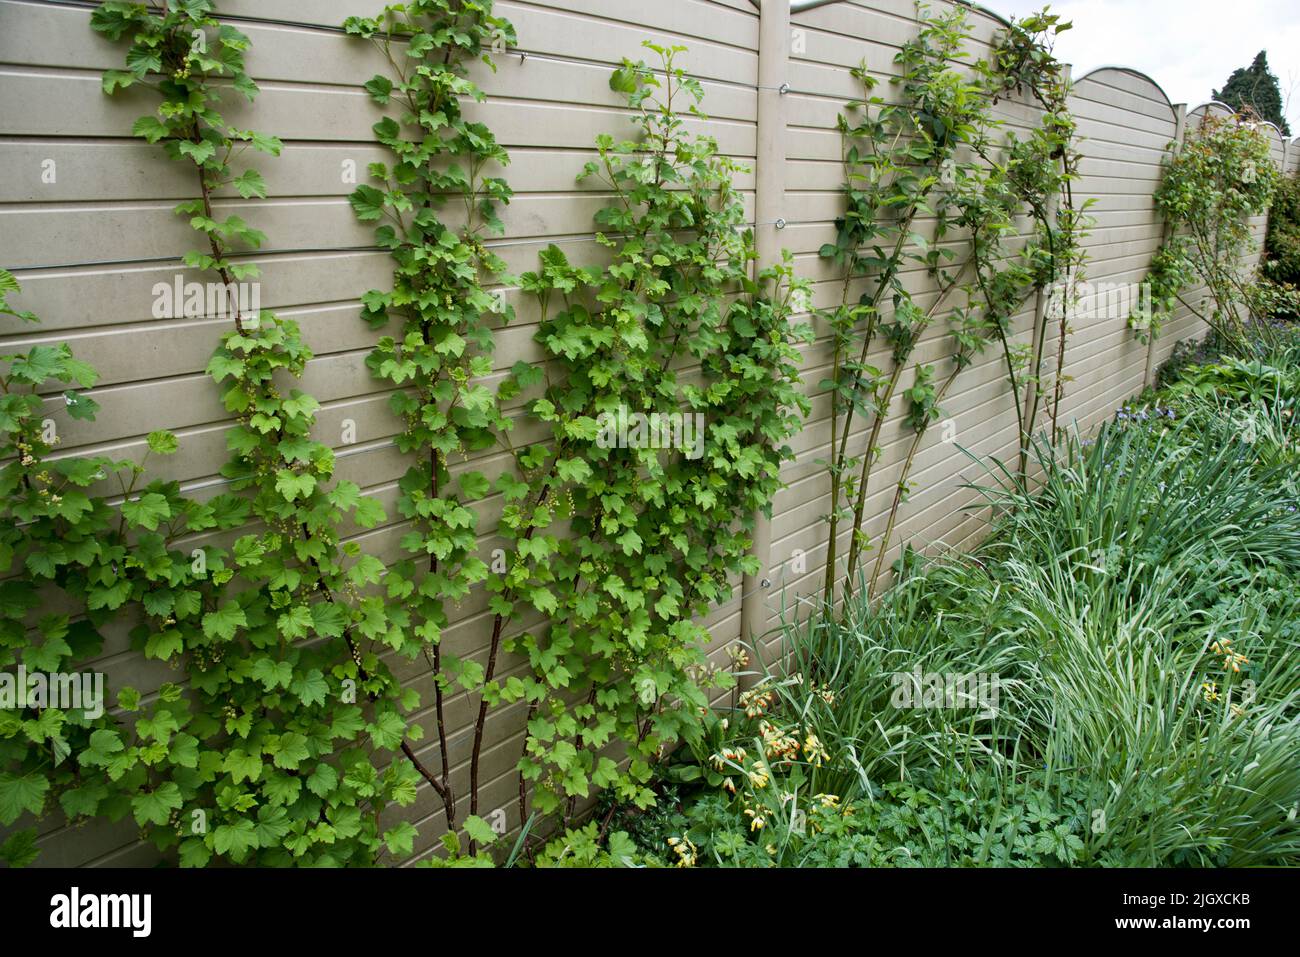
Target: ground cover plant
<point x="1137" y="618"/>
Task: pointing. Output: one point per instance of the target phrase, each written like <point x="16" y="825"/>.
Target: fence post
<point x="769" y="199"/>
<point x="1180" y="124"/>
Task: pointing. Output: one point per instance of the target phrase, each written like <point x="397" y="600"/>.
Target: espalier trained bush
<point x="77" y="562"/>
<point x="1041" y="171"/>
<point x="673" y="325"/>
<point x="619" y="659"/>
<point x="935" y="154"/>
<point x="1220" y="177"/>
<point x="437" y="361"/>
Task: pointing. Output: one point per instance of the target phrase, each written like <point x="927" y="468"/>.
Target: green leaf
<point x="480" y="831"/>
<point x="80" y="406"/>
<point x="272" y="825"/>
<point x="543" y="600"/>
<point x="387" y="732"/>
<point x="83" y="801"/>
<point x="242" y="766"/>
<point x="163" y="644"/>
<point x="235" y="839"/>
<point x="147" y="511"/>
<point x="221" y="367"/>
<point x="323" y="780"/>
<point x="48" y="655"/>
<point x="162" y="442"/>
<point x="81" y="471"/>
<point x="292" y="752"/>
<point x="114" y="80"/>
<point x="369" y="513"/>
<point x="263" y="143"/>
<point x="295" y="622"/>
<point x="368" y="203"/>
<point x="250" y="184"/>
<point x="294" y="485"/>
<point x="344" y="495"/>
<point x="367" y="571"/>
<point x="224" y="622"/>
<point x="272" y="674"/>
<point x="311" y="688"/>
<point x="511" y="489"/>
<point x="199" y="152"/>
<point x="327" y="619"/>
<point x="150" y="128"/>
<point x="20" y="849"/>
<point x="573" y="470"/>
<point x="624" y="79"/>
<point x="194" y="853"/>
<point x="282" y="788"/>
<point x="184" y="750"/>
<point x="19" y="793"/>
<point x="630" y="542"/>
<point x="400" y="839"/>
<point x="155" y="807"/>
<point x="142" y="60"/>
<point x="380" y="89"/>
<point x="104" y="746"/>
<point x="473" y="485"/>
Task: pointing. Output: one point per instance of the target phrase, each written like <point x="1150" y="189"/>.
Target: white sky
<point x="1189" y="47"/>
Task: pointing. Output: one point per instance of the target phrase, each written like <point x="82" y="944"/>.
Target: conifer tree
<point x="1255" y="87"/>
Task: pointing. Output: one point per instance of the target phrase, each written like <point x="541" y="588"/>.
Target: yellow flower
<point x="777" y="743"/>
<point x="827" y="800"/>
<point x="685" y="851"/>
<point x="728" y="756"/>
<point x="1210" y="690"/>
<point x="755" y="702"/>
<point x="1232" y="661"/>
<point x="814" y="751"/>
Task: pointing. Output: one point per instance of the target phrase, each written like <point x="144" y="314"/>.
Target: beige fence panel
<point x="104" y="233"/>
<point x="1120" y="167"/>
<point x="825" y="43"/>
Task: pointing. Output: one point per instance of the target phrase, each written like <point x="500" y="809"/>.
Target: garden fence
<point x="86" y="225"/>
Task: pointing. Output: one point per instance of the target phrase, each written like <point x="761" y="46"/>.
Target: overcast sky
<point x="1189" y="47"/>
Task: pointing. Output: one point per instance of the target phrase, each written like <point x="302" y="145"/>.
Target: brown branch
<point x="498" y="624"/>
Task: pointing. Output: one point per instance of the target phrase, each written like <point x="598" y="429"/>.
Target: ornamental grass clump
<point x="1139" y="614"/>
